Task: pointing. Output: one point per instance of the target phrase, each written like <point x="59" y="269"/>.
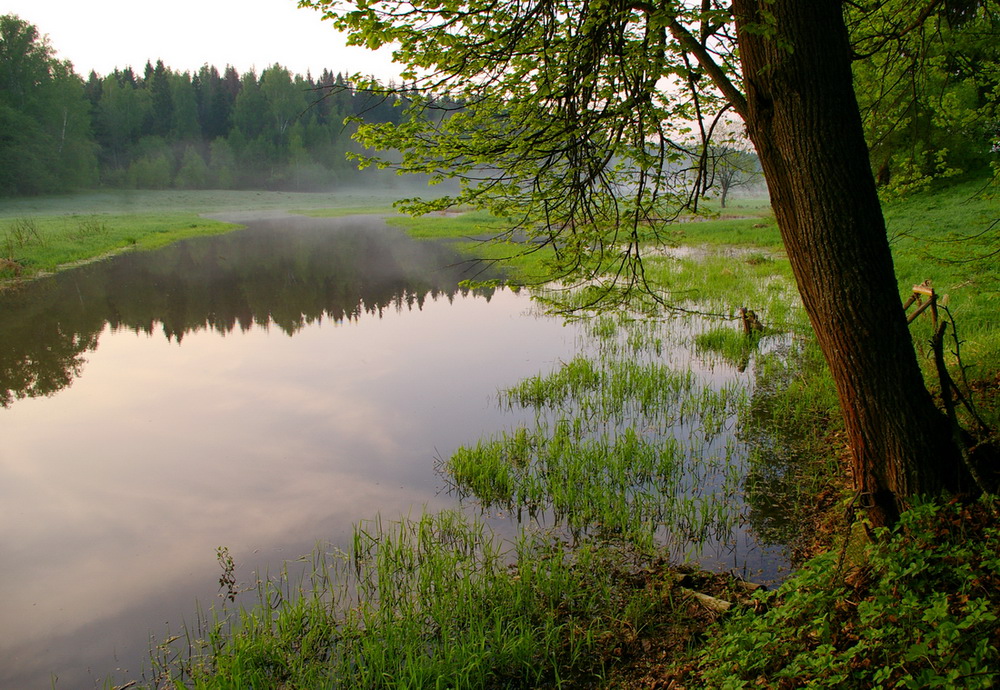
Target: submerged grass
<point x="623" y="445"/>
<point x="733" y="345"/>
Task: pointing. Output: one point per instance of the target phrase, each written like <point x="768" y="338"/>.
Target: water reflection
<point x="194" y="420"/>
<point x="262" y="391"/>
<point x="281" y="273"/>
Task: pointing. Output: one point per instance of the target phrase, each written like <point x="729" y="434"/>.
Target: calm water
<point x="261" y="390"/>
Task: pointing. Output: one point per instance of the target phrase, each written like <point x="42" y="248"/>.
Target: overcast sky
<point x="101" y="35"/>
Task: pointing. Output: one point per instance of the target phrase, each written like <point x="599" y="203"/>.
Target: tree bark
<point x="803" y="117"/>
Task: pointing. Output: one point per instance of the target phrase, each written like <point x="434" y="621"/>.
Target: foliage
<point x="919" y="610"/>
<point x="929" y="89"/>
<point x="273" y="130"/>
<point x="563" y="126"/>
<point x="45" y="144"/>
<point x="729" y="163"/>
<point x="193" y="173"/>
<point x="156" y="130"/>
<point x="732" y="168"/>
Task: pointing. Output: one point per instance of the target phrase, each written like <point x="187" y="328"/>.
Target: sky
<point x="101" y="35"/>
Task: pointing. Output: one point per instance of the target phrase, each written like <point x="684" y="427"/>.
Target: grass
<point x="626" y="455"/>
<point x="952" y="237"/>
<point x="433" y="602"/>
<point x="731" y="344"/>
<point x="473" y="233"/>
<point x="459" y="225"/>
<point x="44" y="234"/>
<point x="624" y="444"/>
<point x="345" y="211"/>
<point x="34" y="245"/>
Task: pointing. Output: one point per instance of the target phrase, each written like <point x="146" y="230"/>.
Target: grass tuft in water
<point x="623" y="446"/>
<point x="731" y="344"/>
<point x="433" y="602"/>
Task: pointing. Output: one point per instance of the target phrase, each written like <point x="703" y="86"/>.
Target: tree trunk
<point x="804" y="120"/>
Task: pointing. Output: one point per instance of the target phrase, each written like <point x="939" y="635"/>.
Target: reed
<point x="434" y="602"/>
<point x="623" y="446"/>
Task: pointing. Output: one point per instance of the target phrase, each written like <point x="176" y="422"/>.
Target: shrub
<point x="921" y="612"/>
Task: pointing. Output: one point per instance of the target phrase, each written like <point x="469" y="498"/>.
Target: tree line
<point x="358" y="270"/>
<point x="162" y="128"/>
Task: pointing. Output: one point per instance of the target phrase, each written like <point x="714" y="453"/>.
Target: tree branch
<point x="711" y="67"/>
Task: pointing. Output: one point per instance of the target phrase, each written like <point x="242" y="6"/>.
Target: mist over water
<point x="262" y="391"/>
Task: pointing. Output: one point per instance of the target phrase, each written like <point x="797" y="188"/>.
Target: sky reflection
<point x="116" y="490"/>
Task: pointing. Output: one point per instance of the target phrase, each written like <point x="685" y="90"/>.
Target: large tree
<point x="45" y="139"/>
<point x="577" y="114"/>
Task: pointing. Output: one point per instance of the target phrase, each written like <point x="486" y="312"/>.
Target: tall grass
<point x="437" y="602"/>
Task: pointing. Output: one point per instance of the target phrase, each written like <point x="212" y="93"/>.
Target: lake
<point x="260" y="391"/>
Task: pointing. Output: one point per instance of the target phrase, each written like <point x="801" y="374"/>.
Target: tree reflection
<point x="285" y="274"/>
<point x="787" y="460"/>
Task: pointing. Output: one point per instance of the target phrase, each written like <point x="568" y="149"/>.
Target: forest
<point x="930" y="116"/>
<point x="159" y="128"/>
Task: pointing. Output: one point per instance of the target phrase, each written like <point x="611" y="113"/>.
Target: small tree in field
<point x="731" y="168"/>
<point x="726" y="161"/>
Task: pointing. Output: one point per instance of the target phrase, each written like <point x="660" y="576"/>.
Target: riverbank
<point x="600" y="614"/>
<point x="40" y="235"/>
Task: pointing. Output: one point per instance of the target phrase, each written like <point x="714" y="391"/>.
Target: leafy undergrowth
<point x="918" y="607"/>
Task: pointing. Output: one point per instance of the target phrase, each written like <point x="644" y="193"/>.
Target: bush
<point x="922" y="612"/>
